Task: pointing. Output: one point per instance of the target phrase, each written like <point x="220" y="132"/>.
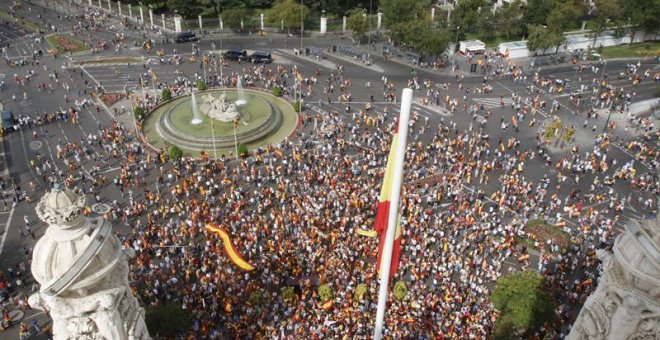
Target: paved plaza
<point x="477" y="172"/>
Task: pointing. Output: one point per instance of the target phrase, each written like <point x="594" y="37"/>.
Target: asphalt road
<point x="22" y="146"/>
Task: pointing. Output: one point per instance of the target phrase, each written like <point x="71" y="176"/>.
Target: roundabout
<point x="261" y="119"/>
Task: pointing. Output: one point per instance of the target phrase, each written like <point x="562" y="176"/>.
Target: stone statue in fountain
<point x="218" y="108"/>
<point x="82" y="269"/>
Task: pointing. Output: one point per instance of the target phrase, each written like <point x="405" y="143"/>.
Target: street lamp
<point x="369" y="31"/>
<point x="456" y="44"/>
<point x="302" y="24"/>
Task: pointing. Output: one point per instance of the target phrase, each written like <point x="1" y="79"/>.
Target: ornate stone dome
<point x="76" y="252"/>
<point x="60" y="206"/>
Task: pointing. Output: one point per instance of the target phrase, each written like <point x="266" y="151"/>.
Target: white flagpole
<point x="397" y="176"/>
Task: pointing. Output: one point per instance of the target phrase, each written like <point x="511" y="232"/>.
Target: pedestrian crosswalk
<point x="491" y="103"/>
<point x="116" y="77"/>
<point x="392" y="109"/>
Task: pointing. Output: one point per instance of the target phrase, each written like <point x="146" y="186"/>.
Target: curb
<point x="4" y="174"/>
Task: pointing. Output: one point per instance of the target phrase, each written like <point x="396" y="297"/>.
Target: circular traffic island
<point x="259" y="119"/>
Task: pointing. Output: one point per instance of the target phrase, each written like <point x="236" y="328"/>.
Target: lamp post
<point x="236" y="141"/>
<point x="215" y="151"/>
<point x="609" y="116"/>
<point x="456" y="44"/>
<point x="369" y="27"/>
<point x="302" y="24"/>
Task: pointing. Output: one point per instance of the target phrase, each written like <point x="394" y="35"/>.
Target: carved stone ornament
<point x="60" y="206"/>
<point x="82" y="270"/>
<point x="626" y="303"/>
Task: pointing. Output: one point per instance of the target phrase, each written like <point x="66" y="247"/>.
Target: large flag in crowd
<point x="385" y="209"/>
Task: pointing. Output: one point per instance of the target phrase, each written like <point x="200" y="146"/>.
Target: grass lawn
<point x="65" y="43"/>
<point x="645" y="49"/>
<point x="27" y="24"/>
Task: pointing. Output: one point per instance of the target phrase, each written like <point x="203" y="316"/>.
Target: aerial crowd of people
<point x="297" y="210"/>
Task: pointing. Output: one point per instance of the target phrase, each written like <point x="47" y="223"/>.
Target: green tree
<point x="562" y="16"/>
<point x="360" y="291"/>
<point x="166" y="94"/>
<point x="400" y="290"/>
<point x="487" y="27"/>
<point x="325" y="292"/>
<point x="201" y="85"/>
<point x="509" y="19"/>
<point x="606" y="10"/>
<point x="467" y="13"/>
<point x="277" y="91"/>
<point x="232" y="17"/>
<point x="167" y="321"/>
<point x="402" y="11"/>
<point x="288" y="294"/>
<point x="433" y="42"/>
<point x="522" y="300"/>
<point x="186" y="8"/>
<point x="138" y="111"/>
<point x="436" y="42"/>
<point x="641" y="14"/>
<point x="242" y="150"/>
<point x="357" y="22"/>
<point x="536" y="11"/>
<point x="175" y="153"/>
<point x="540" y="37"/>
<point x="289" y="11"/>
<point x="218" y="5"/>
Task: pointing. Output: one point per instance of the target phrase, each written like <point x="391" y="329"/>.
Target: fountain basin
<point x="264" y="119"/>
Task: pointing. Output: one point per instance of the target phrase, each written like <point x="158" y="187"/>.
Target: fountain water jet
<point x="241" y="94"/>
<point x="196" y="118"/>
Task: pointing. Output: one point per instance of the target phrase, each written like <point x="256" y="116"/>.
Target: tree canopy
<point x="357" y="22"/>
<point x="168" y="320"/>
<point x="541" y="37"/>
<point x="522" y="300"/>
<point x="289" y="12"/>
<point x="409" y="22"/>
<point x="467" y="13"/>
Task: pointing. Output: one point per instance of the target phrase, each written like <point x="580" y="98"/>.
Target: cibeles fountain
<point x="219" y="108"/>
<point x="205" y="120"/>
<point x="82" y="270"/>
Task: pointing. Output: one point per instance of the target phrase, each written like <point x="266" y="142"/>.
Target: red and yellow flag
<point x="383" y="212"/>
<point x="231" y="252"/>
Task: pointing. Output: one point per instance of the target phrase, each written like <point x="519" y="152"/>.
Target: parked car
<point x="8" y="120"/>
<point x="185" y="37"/>
<point x="235" y="54"/>
<point x="261" y="57"/>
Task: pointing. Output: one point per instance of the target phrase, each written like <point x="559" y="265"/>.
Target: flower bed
<point x="65" y="43"/>
<point x="111" y="98"/>
<point x="540" y="231"/>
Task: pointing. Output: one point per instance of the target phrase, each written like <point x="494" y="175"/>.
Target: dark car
<point x="261" y="57"/>
<point x="185" y="37"/>
<point x="8" y="120"/>
<point x="235" y="55"/>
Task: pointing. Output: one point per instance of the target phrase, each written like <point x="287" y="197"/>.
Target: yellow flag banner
<point x="231" y="252"/>
<point x="367" y="233"/>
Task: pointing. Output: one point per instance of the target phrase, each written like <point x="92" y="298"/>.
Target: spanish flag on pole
<point x="384" y="211"/>
<point x="387" y="219"/>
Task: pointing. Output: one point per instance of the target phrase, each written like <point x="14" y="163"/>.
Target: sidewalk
<point x="643" y="107"/>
